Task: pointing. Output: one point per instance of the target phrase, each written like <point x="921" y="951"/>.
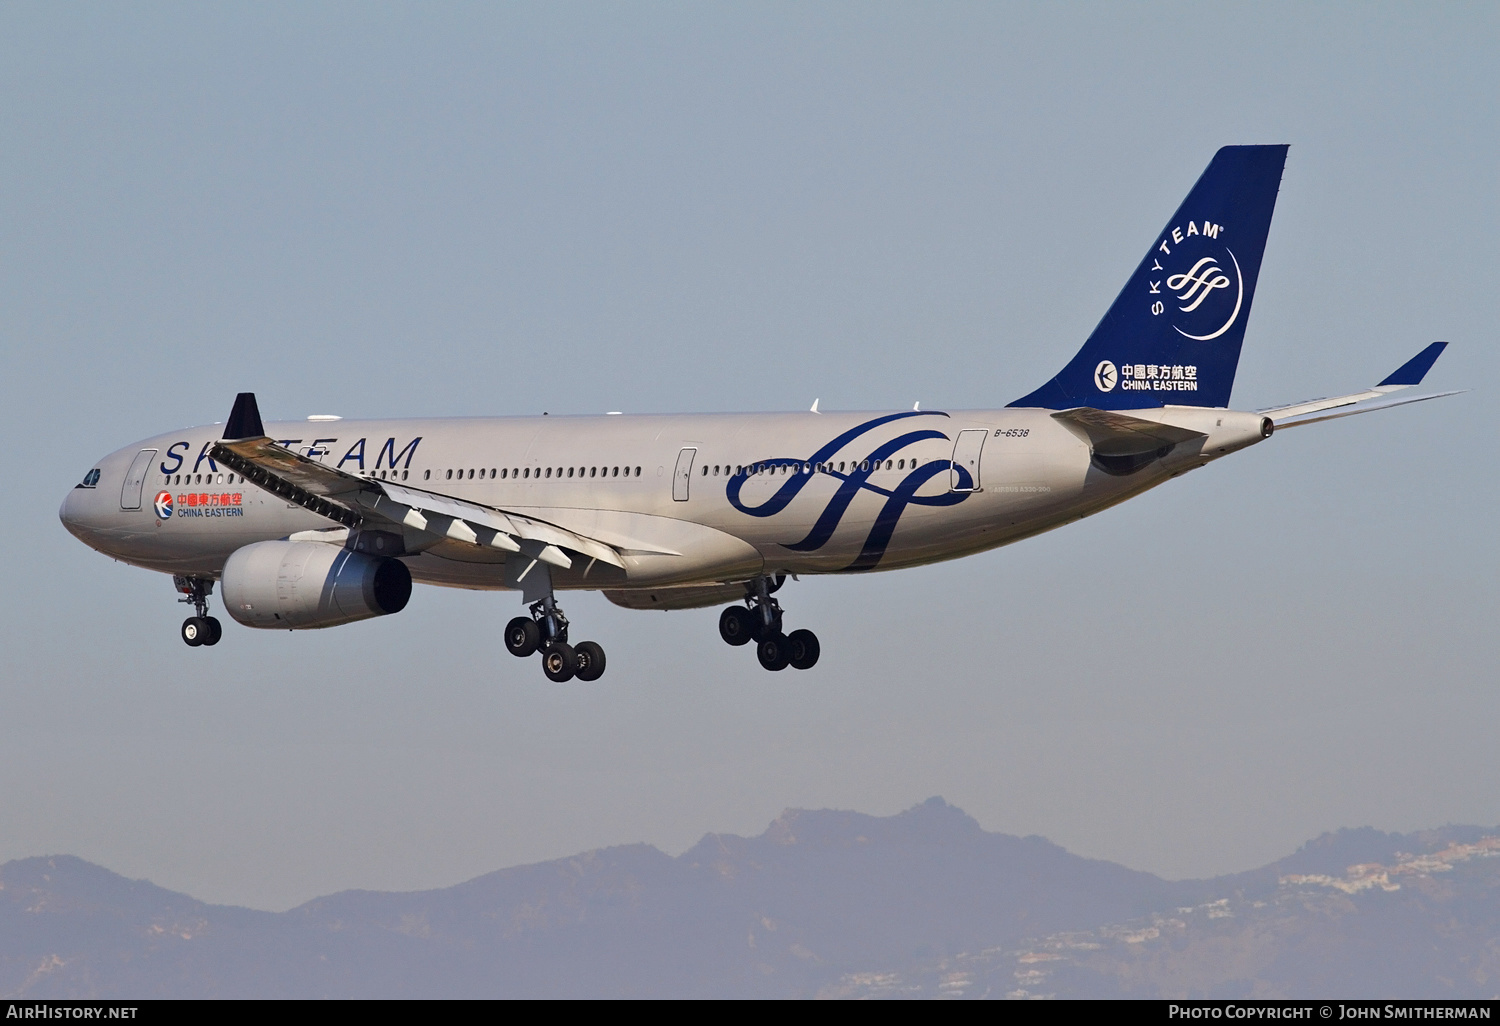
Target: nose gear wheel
<point x="201" y="629"/>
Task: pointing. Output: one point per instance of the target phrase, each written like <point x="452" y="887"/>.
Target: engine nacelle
<point x="296" y="585"/>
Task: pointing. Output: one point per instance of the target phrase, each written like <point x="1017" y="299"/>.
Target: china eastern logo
<point x="205" y="504"/>
<point x="163" y="505"/>
<point x="1195" y="281"/>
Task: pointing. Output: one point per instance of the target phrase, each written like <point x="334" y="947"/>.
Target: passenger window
<point x="426" y="475"/>
<point x="450" y="475"/>
<point x="549" y="471"/>
<point x="637" y="471"/>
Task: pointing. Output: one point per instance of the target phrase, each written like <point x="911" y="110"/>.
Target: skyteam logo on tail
<point x="1195" y="280"/>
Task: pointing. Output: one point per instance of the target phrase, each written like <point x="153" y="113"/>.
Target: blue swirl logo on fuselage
<point x="858" y="479"/>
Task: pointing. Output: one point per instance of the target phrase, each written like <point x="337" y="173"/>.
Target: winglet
<point x="244" y="419"/>
<point x="1414" y="370"/>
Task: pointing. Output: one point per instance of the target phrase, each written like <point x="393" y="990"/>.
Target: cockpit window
<point x="90" y="479"/>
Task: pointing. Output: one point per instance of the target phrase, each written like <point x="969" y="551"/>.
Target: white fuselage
<point x="686" y="499"/>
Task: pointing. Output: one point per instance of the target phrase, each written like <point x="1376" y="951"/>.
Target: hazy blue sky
<point x="471" y="209"/>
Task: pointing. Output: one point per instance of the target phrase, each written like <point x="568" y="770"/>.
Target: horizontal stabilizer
<point x="1117" y="434"/>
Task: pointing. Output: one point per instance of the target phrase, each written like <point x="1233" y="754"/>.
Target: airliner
<point x="319" y="522"/>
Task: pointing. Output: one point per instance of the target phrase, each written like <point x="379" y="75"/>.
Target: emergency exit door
<point x="963" y="476"/>
<point x="682" y="477"/>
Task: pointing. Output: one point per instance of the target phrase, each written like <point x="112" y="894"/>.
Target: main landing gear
<point x="759" y="620"/>
<point x="546" y="631"/>
<point x="201" y="629"/>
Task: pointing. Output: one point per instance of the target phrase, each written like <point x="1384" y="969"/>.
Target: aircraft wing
<point x="1378" y="398"/>
<point x="358" y="501"/>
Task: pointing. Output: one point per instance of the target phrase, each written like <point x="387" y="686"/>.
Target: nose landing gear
<point x="759" y="620"/>
<point x="201" y="629"/>
<point x="546" y="631"/>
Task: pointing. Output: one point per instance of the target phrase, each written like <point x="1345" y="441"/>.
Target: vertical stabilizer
<point x="1173" y="335"/>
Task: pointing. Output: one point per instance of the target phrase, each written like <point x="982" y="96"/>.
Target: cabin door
<point x="135" y="478"/>
<point x="964" y="474"/>
<point x="683" y="475"/>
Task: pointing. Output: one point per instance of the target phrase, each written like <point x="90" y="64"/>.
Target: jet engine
<point x="297" y="585"/>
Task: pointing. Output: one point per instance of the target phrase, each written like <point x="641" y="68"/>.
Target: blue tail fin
<point x="1173" y="336"/>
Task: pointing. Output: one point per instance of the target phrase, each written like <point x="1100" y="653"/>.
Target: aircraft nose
<point x="79" y="511"/>
<point x="71" y="514"/>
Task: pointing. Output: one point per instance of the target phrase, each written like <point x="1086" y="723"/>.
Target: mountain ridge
<point x="823" y="902"/>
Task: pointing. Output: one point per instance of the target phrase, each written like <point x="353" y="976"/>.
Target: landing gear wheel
<point x="195" y="631"/>
<point x="805" y="649"/>
<point x="774" y="652"/>
<point x="215" y="630"/>
<point x="589" y="659"/>
<point x="559" y="663"/>
<point x="736" y="625"/>
<point x="522" y="636"/>
<point x="762" y="630"/>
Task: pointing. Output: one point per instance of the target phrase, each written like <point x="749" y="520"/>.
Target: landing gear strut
<point x="759" y="620"/>
<point x="546" y="631"/>
<point x="201" y="629"/>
